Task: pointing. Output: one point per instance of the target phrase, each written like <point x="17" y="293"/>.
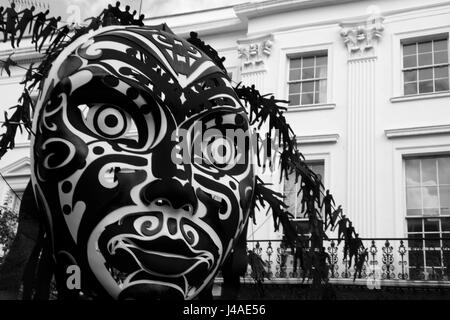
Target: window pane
<point x="410" y="88"/>
<point x="415" y="260"/>
<point x="317" y="168"/>
<point x="440" y="45"/>
<point x="307" y="98"/>
<point x="307" y="73"/>
<point x="441" y="84"/>
<point x="296" y="63"/>
<point x="425" y="86"/>
<point x="302" y="227"/>
<point x="409" y="49"/>
<point x="289" y="184"/>
<point x="432" y="240"/>
<point x="290" y="199"/>
<point x="308" y="86"/>
<point x="430" y="211"/>
<point x="441" y="72"/>
<point x="430" y="198"/>
<point x="294" y="100"/>
<point x="426" y="74"/>
<point x="294" y="75"/>
<point x="424" y="47"/>
<point x="444" y="195"/>
<point x="308" y="62"/>
<point x="412" y="172"/>
<point x="425" y="59"/>
<point x="321" y="72"/>
<point x="410" y="76"/>
<point x="322" y="85"/>
<point x="294" y="88"/>
<point x="431" y="225"/>
<point x="446" y="225"/>
<point x="414" y="225"/>
<point x="441" y="57"/>
<point x="316" y="97"/>
<point x="444" y="170"/>
<point x="415" y="241"/>
<point x="321" y="61"/>
<point x="298" y="212"/>
<point x="413" y="201"/>
<point x="409" y="61"/>
<point x="433" y="258"/>
<point x="429" y="173"/>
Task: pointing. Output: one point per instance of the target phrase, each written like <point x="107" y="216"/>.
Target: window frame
<point x="417" y="41"/>
<point x="424" y="250"/>
<point x="295" y="51"/>
<point x="432" y="32"/>
<point x="314" y="79"/>
<point x="308" y="162"/>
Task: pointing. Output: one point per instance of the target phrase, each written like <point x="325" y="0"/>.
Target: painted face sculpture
<point x="134" y="193"/>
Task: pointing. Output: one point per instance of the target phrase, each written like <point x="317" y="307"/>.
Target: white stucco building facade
<point x="368" y="83"/>
<point x="363" y="126"/>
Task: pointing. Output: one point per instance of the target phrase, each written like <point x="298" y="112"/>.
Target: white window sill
<point x="311" y="107"/>
<point x="423" y="96"/>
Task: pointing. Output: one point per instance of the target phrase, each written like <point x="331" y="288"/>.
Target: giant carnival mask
<point x="107" y="130"/>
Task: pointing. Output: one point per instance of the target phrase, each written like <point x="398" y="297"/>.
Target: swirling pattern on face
<point x="137" y="223"/>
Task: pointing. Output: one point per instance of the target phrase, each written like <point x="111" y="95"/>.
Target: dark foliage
<point x="8" y="227"/>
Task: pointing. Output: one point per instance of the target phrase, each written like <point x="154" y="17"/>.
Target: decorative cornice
<point x="10" y="171"/>
<point x="26" y="55"/>
<point x="318" y="139"/>
<point x="360" y="37"/>
<point x="254" y="51"/>
<point x="262" y="8"/>
<point x="417" y="131"/>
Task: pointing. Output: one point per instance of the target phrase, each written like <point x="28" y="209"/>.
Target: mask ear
<point x="235" y="267"/>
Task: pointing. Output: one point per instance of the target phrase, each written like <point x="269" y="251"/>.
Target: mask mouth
<point x="154" y="264"/>
<point x="161" y="257"/>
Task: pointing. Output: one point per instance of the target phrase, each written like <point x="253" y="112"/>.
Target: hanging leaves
<point x="47" y="28"/>
<point x="7" y="65"/>
<point x="313" y="197"/>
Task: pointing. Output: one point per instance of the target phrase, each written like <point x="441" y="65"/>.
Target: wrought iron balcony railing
<point x="400" y="259"/>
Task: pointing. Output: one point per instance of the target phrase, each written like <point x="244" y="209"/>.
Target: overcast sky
<point x="151" y="8"/>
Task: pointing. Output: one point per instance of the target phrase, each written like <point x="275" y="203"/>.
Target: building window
<point x="425" y="66"/>
<point x="291" y="189"/>
<point x="428" y="216"/>
<point x="308" y="80"/>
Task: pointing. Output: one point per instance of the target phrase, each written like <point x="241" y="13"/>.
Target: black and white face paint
<point x="108" y="129"/>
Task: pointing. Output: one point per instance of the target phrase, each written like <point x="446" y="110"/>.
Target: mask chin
<point x="150" y="292"/>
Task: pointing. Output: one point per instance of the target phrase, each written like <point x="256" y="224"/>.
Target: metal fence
<point x="400" y="259"/>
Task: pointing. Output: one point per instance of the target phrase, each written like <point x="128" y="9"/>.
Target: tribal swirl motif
<point x="108" y="127"/>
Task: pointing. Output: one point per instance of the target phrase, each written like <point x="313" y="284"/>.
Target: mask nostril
<point x="188" y="208"/>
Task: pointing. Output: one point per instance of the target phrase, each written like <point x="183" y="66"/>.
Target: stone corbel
<point x="361" y="37"/>
<point x="254" y="52"/>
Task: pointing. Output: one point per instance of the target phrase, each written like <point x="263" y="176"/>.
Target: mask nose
<point x="171" y="193"/>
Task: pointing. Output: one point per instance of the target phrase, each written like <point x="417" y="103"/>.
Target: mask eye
<point x="108" y="121"/>
<point x="220" y="151"/>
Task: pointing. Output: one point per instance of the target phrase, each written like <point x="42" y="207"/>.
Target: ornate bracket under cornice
<point x="254" y="52"/>
<point x="360" y="37"/>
